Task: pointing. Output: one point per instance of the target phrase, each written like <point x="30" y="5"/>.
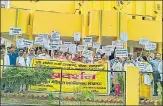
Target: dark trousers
<point x="155" y="87"/>
<point x="156" y="77"/>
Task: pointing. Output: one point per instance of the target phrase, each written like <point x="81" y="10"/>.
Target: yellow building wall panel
<point x="158" y="6"/>
<point x="140" y="7"/>
<point x="94" y="23"/>
<point x="23" y="20"/>
<point x="123" y="24"/>
<point x="145" y="29"/>
<point x="150" y="8"/>
<point x="128" y="8"/>
<point x="96" y="5"/>
<point x="8" y="17"/>
<point x="58" y="6"/>
<point x="107" y="5"/>
<point x="109" y="24"/>
<point x="66" y="24"/>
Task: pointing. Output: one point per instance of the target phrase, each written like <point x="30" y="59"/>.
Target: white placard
<point x="15" y="31"/>
<point x="55" y="36"/>
<point x="124" y="36"/>
<point x="87" y="41"/>
<point x="96" y="45"/>
<point x="150" y="46"/>
<point x="63" y="48"/>
<point x="143" y="41"/>
<point x="19" y="43"/>
<point x="43" y="35"/>
<point x="27" y="43"/>
<point x="77" y="36"/>
<point x="52" y="45"/>
<point x="101" y="51"/>
<point x="141" y="65"/>
<point x="39" y="41"/>
<point x="72" y="48"/>
<point x="87" y="53"/>
<point x="121" y="53"/>
<point x="67" y="43"/>
<point x="2" y="40"/>
<point x="107" y="50"/>
<point x="80" y="47"/>
<point x="117" y="44"/>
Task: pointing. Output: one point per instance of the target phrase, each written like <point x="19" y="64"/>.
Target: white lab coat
<point x="147" y="68"/>
<point x="160" y="70"/>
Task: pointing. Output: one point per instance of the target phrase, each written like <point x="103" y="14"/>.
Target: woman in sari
<point x="145" y="79"/>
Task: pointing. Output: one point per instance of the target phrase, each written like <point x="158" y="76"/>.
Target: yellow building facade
<point x="104" y="20"/>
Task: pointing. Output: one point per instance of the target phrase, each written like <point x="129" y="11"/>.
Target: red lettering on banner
<point x="82" y="75"/>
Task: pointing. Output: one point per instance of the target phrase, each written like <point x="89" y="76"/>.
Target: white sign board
<point x="55" y="36"/>
<point x="143" y="41"/>
<point x="80" y="48"/>
<point x="77" y="36"/>
<point x="101" y="51"/>
<point x="43" y="35"/>
<point x="107" y="50"/>
<point x="124" y="37"/>
<point x="72" y="48"/>
<point x="121" y="53"/>
<point x="27" y="43"/>
<point x="19" y="43"/>
<point x="87" y="41"/>
<point x="96" y="45"/>
<point x="15" y="31"/>
<point x="150" y="46"/>
<point x="63" y="48"/>
<point x="87" y="53"/>
<point x="39" y="41"/>
<point x="67" y="43"/>
<point x="53" y="45"/>
<point x="141" y="65"/>
<point x="117" y="44"/>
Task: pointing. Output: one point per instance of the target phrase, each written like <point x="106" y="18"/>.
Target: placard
<point x="67" y="43"/>
<point x="15" y="31"/>
<point x="87" y="41"/>
<point x="117" y="44"/>
<point x="27" y="43"/>
<point x="43" y="35"/>
<point x="55" y="36"/>
<point x="150" y="46"/>
<point x="72" y="48"/>
<point x="19" y="43"/>
<point x="87" y="53"/>
<point x="143" y="41"/>
<point x="124" y="36"/>
<point x="80" y="47"/>
<point x="52" y="45"/>
<point x="101" y="51"/>
<point x="39" y="41"/>
<point x="121" y="53"/>
<point x="63" y="48"/>
<point x="96" y="45"/>
<point x="77" y="36"/>
<point x="141" y="65"/>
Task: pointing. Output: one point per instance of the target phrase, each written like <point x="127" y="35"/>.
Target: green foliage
<point x="16" y="76"/>
<point x="120" y="78"/>
<point x="82" y="95"/>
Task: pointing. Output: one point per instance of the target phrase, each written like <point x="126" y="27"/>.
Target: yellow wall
<point x="7" y="19"/>
<point x="146" y="29"/>
<point x="58" y="6"/>
<point x="66" y="24"/>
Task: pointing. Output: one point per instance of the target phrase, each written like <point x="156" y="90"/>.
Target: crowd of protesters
<point x="151" y="74"/>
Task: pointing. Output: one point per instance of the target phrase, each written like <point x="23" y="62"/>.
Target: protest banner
<point x="150" y="46"/>
<point x="39" y="40"/>
<point x="87" y="53"/>
<point x="72" y="48"/>
<point x="52" y="45"/>
<point x="19" y="43"/>
<point x="141" y="65"/>
<point x="63" y="48"/>
<point x="96" y="45"/>
<point x="117" y="44"/>
<point x="80" y="47"/>
<point x="124" y="36"/>
<point x="43" y="35"/>
<point x="77" y="36"/>
<point x="72" y="79"/>
<point x="121" y="53"/>
<point x="15" y="31"/>
<point x="27" y="43"/>
<point x="55" y="36"/>
<point x="87" y="41"/>
<point x="67" y="43"/>
<point x="101" y="51"/>
<point x="143" y="41"/>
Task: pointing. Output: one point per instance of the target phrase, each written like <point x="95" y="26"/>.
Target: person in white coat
<point x="161" y="73"/>
<point x="145" y="79"/>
